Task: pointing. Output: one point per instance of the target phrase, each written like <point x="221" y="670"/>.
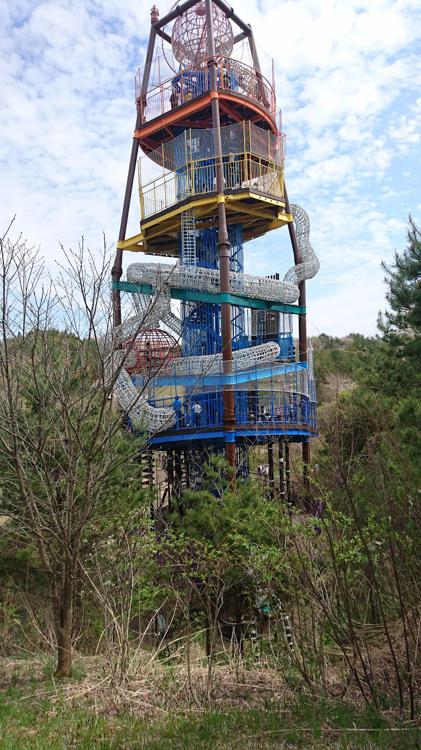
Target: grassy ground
<point x="39" y="722"/>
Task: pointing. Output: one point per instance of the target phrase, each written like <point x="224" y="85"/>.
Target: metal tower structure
<point x="218" y="371"/>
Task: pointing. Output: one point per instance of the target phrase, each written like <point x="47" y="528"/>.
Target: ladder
<point x="188" y="239"/>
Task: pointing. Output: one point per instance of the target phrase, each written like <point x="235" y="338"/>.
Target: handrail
<point x="276" y="409"/>
<point x="198" y="178"/>
<point x="183" y="87"/>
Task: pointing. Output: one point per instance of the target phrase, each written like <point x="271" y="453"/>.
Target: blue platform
<point x="220" y="380"/>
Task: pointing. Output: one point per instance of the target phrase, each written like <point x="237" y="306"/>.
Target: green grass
<point x="38" y="724"/>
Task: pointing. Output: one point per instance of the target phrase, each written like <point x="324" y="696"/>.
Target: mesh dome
<point x="152" y="349"/>
<point x="189" y="37"/>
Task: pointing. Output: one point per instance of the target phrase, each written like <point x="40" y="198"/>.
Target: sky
<point x="348" y="82"/>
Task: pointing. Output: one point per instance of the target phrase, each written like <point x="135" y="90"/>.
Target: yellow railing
<point x="245" y="172"/>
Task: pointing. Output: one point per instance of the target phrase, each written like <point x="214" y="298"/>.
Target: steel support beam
<point x="178" y="11"/>
<point x="271" y="471"/>
<point x="287" y="473"/>
<point x="256" y="64"/>
<point x="163" y="35"/>
<point x="229" y="12"/>
<point x="117" y="268"/>
<point x="302" y="324"/>
<point x="215" y="299"/>
<point x="223" y="245"/>
<point x="281" y="465"/>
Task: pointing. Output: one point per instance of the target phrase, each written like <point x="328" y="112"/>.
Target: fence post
<point x="141" y="196"/>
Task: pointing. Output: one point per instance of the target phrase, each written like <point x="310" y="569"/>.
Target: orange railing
<point x="186" y="85"/>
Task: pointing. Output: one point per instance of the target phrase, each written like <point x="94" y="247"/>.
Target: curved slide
<point x="151" y="309"/>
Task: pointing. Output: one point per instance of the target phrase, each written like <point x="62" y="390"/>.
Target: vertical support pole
<point x="150" y="474"/>
<point x="141" y="196"/>
<point x="272" y="93"/>
<point x="271" y="471"/>
<point x="178" y="483"/>
<point x="302" y="330"/>
<point x="170" y="476"/>
<point x="302" y="320"/>
<point x="256" y="64"/>
<point x="223" y="245"/>
<point x="117" y="268"/>
<point x="306" y="474"/>
<point x="287" y="473"/>
<point x="281" y="465"/>
<point x="187" y="468"/>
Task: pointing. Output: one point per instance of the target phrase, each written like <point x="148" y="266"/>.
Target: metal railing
<point x="194" y="144"/>
<point x="244" y="171"/>
<point x="275" y="410"/>
<point x="186" y="85"/>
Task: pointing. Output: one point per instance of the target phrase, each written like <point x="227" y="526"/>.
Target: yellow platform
<point x="257" y="212"/>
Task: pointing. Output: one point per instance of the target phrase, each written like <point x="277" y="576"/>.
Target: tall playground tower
<point x="214" y="368"/>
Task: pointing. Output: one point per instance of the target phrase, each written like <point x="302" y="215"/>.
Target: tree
<point x="401" y="325"/>
<point x="222" y="544"/>
<point x="64" y="459"/>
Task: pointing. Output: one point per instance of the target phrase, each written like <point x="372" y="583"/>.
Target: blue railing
<point x="202" y="410"/>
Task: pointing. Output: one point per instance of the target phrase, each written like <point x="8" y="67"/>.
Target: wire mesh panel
<point x="238" y="138"/>
<point x="203" y="410"/>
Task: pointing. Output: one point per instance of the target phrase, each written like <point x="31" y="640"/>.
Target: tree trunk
<point x="63" y="617"/>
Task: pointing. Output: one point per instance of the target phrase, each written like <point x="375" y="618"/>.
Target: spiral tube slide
<point x="210" y="364"/>
<point x="141" y="414"/>
<point x="310" y="264"/>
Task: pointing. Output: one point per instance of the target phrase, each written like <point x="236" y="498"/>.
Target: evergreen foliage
<point x="400" y="364"/>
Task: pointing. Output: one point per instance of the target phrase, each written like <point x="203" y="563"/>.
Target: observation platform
<point x="249" y="434"/>
<point x="293" y="420"/>
<point x="270" y="400"/>
<point x="184" y="100"/>
<point x="257" y="212"/>
<point x="253" y="173"/>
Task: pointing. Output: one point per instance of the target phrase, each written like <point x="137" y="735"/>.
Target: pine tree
<point x="401" y="324"/>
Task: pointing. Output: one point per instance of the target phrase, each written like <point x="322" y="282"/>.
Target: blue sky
<point x="348" y="81"/>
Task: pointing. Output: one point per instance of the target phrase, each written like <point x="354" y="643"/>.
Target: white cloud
<point x="346" y="74"/>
